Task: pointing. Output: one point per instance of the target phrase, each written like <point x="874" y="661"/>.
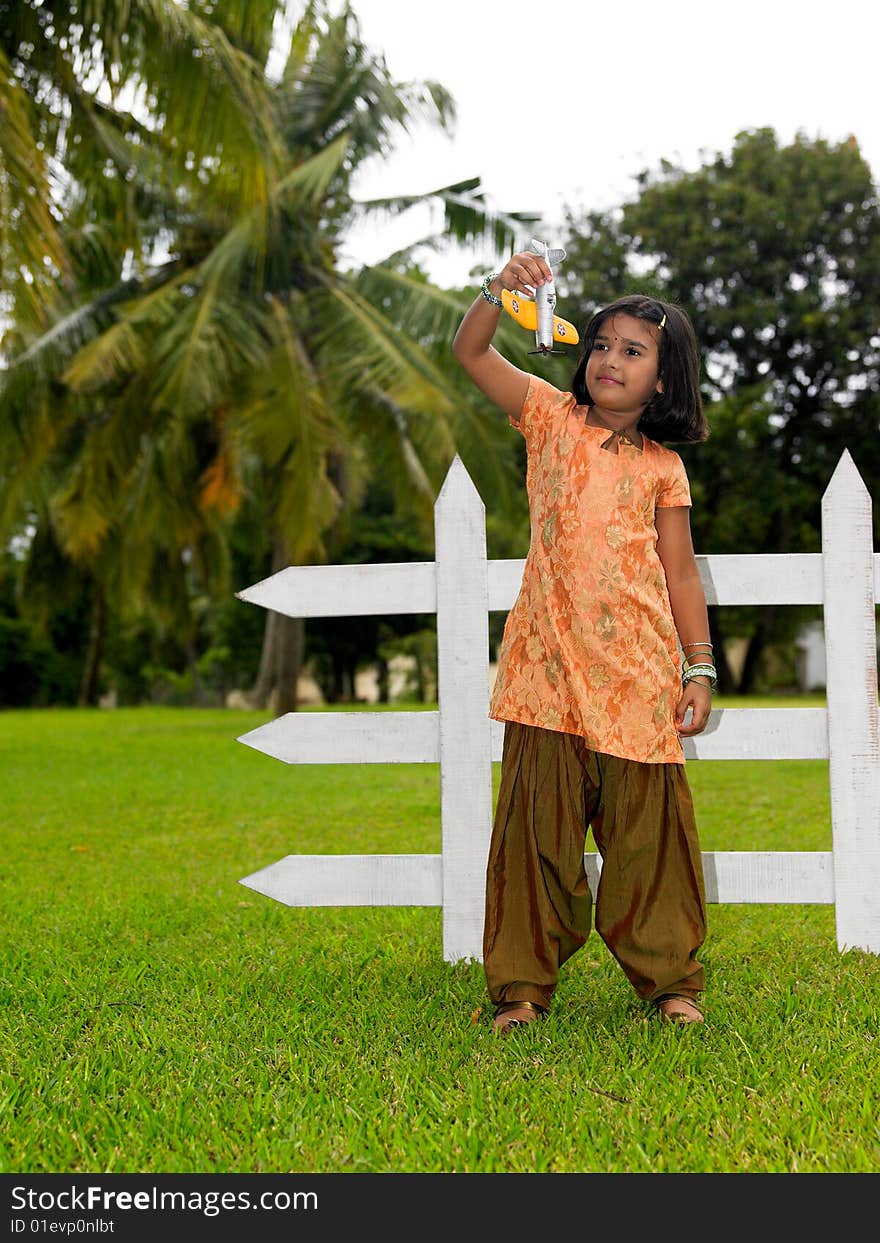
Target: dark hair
<point x="676" y="414"/>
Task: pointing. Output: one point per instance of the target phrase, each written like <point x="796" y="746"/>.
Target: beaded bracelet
<point x="484" y="289"/>
<point x="696" y="671"/>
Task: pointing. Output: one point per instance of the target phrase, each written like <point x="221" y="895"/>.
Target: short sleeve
<point x="674" y="487"/>
<point x="544" y="407"/>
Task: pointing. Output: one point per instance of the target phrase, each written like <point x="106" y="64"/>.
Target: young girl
<point x="590" y="683"/>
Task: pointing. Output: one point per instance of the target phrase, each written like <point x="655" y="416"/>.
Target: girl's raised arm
<point x="501" y="382"/>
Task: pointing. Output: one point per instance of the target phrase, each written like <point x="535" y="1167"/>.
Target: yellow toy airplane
<point x="536" y="313"/>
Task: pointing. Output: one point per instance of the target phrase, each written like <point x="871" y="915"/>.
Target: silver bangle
<point x="484" y="289"/>
<point x="700" y="671"/>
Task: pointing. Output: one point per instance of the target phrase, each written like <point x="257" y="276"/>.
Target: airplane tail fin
<point x="553" y="257"/>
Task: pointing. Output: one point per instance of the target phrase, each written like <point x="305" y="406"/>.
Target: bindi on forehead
<point x="642" y="345"/>
<point x="616" y="327"/>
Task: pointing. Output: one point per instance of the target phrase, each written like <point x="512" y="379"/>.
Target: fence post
<point x="463" y="697"/>
<point x="851" y="657"/>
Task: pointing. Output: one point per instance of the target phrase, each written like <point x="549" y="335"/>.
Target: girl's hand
<point x="524" y="270"/>
<point x="698" y="696"/>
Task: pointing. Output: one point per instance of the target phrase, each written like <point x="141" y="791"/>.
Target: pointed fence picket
<point x="461" y="586"/>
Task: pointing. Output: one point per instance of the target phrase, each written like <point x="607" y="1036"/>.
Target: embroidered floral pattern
<point x="589" y="646"/>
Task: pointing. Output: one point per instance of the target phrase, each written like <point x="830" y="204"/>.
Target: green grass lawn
<point x="159" y="1017"/>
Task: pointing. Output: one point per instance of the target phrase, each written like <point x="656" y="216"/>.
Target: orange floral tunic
<point x="589" y="646"/>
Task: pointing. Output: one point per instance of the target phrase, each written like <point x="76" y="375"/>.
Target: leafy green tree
<point x="775" y="252"/>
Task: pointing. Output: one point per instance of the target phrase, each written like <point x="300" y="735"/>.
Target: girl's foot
<point x="513" y="1014"/>
<point x="679" y="1010"/>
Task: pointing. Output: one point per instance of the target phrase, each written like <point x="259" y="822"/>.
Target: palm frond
<point x="300" y="45"/>
<point x="81" y="513"/>
<point x="399" y="203"/>
<point x="370" y="353"/>
<point x="467" y="218"/>
<point x="43" y="355"/>
<point x="23" y="461"/>
<point x="73" y="349"/>
<point x="198" y="74"/>
<point x="217" y="93"/>
<point x="30" y="245"/>
<point x="141" y="171"/>
<point x="116" y="353"/>
<point x="431" y="316"/>
<point x="333" y="82"/>
<point x="418" y="309"/>
<point x="406" y="467"/>
<point x="201" y="341"/>
<point x="311" y="179"/>
<point x="249" y="24"/>
<point x="199" y="359"/>
<point x="293" y="429"/>
<point x="160" y="521"/>
<point x="47" y="579"/>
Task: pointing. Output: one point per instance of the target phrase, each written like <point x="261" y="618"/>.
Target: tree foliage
<point x="774" y="250"/>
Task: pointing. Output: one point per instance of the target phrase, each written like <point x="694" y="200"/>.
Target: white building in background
<point x="810" y="657"/>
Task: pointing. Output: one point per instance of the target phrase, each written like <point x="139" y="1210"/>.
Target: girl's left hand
<point x="698" y="696"/>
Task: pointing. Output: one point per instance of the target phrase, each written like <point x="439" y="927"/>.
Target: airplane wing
<point x="525" y="312"/>
<point x="564" y="331"/>
<point x="523" y="309"/>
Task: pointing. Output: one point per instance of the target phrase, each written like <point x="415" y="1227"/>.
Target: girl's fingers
<point x="527" y="269"/>
<point x="700" y="714"/>
<point x="523" y="279"/>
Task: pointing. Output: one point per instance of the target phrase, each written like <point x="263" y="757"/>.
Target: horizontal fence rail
<point x="462" y="586"/>
<point x="417" y="880"/>
<point x="409" y="586"/>
<point x="414" y="737"/>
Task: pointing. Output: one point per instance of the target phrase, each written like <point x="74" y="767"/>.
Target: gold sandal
<point x="506" y="1006"/>
<point x="678" y="1017"/>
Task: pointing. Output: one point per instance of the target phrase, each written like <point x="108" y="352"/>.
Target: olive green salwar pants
<point x="650" y="904"/>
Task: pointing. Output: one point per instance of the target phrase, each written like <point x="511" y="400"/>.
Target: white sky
<point x="564" y="104"/>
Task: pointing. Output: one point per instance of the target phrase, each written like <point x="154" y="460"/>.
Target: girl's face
<point x="622" y="367"/>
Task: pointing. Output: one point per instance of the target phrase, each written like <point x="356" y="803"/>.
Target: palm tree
<point x="88" y="91"/>
<point x="244" y="360"/>
<point x="112" y="113"/>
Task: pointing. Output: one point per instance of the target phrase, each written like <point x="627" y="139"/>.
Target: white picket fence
<point x="461" y="586"/>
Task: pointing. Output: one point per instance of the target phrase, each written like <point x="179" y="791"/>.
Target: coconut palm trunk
<point x="89" y="687"/>
<point x="281" y="656"/>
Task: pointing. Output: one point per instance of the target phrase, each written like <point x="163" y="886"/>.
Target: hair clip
<point x="662" y="323"/>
